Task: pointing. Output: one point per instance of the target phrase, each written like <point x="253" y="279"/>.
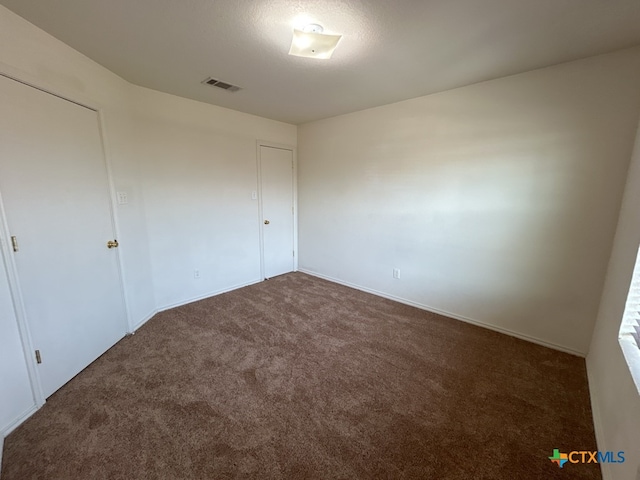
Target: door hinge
<point x="38" y="357"/>
<point x="14" y="243"/>
<point x="294" y="253"/>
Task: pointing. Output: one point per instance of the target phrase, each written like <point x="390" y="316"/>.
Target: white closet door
<point x="276" y="172"/>
<point x="54" y="187"/>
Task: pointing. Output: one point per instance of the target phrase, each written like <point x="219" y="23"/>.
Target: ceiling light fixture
<point x="312" y="43"/>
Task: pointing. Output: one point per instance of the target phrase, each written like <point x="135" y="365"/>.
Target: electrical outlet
<point x="122" y="198"/>
<point x="196" y="274"/>
<point x="396" y="273"/>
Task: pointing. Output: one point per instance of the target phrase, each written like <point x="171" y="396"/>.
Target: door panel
<point x="54" y="187"/>
<point x="276" y="169"/>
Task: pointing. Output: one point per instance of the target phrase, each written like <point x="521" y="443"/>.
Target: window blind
<point x="636" y="335"/>
<point x="631" y="318"/>
<point x="630" y="328"/>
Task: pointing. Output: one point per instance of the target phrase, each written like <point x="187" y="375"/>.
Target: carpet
<point x="300" y="378"/>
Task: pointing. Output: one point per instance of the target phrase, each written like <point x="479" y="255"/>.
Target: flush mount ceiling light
<point x="312" y="43"/>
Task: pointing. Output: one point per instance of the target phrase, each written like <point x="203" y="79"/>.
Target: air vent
<point x="223" y="85"/>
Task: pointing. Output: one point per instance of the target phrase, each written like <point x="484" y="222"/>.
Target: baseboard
<point x="12" y="426"/>
<point x="598" y="425"/>
<point x="455" y="316"/>
<point x="148" y="317"/>
<point x="151" y="314"/>
<point x="18" y="421"/>
<point x="207" y="295"/>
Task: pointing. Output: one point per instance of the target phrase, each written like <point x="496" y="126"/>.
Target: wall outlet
<point x="122" y="198"/>
<point x="396" y="273"/>
<point x="196" y="274"/>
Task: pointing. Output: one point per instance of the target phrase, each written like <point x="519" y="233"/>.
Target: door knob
<point x="112" y="244"/>
<point x="266" y="222"/>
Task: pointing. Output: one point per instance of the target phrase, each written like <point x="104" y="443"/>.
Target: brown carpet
<point x="300" y="378"/>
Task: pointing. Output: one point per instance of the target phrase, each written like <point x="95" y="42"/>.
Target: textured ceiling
<point x="391" y="49"/>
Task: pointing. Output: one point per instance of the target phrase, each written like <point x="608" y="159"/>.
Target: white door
<point x="54" y="187"/>
<point x="276" y="173"/>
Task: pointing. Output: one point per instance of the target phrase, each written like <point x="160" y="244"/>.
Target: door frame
<point x="17" y="298"/>
<point x="292" y="149"/>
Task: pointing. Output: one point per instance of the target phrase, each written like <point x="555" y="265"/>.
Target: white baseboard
<point x="150" y="315"/>
<point x="147" y="317"/>
<point x="207" y="295"/>
<point x="18" y="421"/>
<point x="605" y="468"/>
<point x="428" y="308"/>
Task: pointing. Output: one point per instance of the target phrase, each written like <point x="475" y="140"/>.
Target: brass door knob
<point x="266" y="222"/>
<point x="112" y="244"/>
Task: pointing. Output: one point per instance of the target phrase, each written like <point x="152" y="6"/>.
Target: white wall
<point x="497" y="201"/>
<point x="199" y="170"/>
<point x="131" y="218"/>
<point x="615" y="399"/>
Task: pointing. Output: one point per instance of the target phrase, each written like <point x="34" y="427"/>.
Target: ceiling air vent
<point x="223" y="85"/>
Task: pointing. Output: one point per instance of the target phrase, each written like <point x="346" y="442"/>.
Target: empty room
<point x="319" y="240"/>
